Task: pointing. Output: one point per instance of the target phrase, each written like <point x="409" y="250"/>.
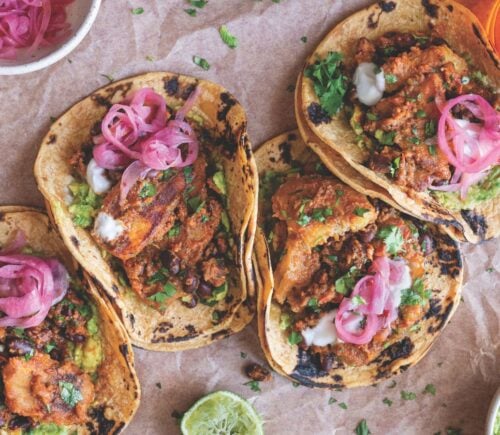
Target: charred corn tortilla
<point x="461" y="30"/>
<point x="117" y="391"/>
<point x="178" y="327"/>
<point x="443" y="273"/>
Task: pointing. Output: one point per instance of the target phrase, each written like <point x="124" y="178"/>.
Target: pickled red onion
<point x="29" y="24"/>
<point x="136" y="135"/>
<point x="476" y="147"/>
<point x="29" y="286"/>
<point x="380" y="307"/>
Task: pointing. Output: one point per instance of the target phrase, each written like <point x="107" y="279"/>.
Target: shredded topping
<point x="29" y="286"/>
<point x="474" y="148"/>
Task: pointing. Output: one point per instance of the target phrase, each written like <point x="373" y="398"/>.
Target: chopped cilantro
<point x="408" y="395"/>
<point x="295" y="384"/>
<point x="392" y="237"/>
<point x="225" y="220"/>
<point x="392" y="385"/>
<point x="194" y="203"/>
<point x="69" y="394"/>
<point x="230" y="40"/>
<point x="188" y="174"/>
<point x="18" y="332"/>
<point x="390" y="79"/>
<point x="30" y="354"/>
<point x="150" y="58"/>
<point x="362" y="428"/>
<point x="453" y="431"/>
<point x="147" y="191"/>
<point x="387" y="401"/>
<point x="243" y="355"/>
<point x="137" y="11"/>
<point x="371" y="116"/>
<point x="343" y="405"/>
<point x="430" y="128"/>
<point x="204" y="218"/>
<point x="174" y="231"/>
<point x="332" y="400"/>
<point x="394" y="166"/>
<point x="330" y="84"/>
<point x="254" y="386"/>
<point x="489" y="269"/>
<point x="360" y="211"/>
<point x="198" y="3"/>
<point x="49" y="347"/>
<point x="303" y="219"/>
<point x="191" y="12"/>
<point x="313" y="304"/>
<point x="481" y="78"/>
<point x="202" y="63"/>
<point x="430" y="389"/>
<point x="332" y="258"/>
<point x="417" y="295"/>
<point x="385" y="138"/>
<point x="415" y="140"/>
<point x="167" y="292"/>
<point x="345" y="283"/>
<point x="358" y="300"/>
<point x="421" y="113"/>
<point x="304" y="39"/>
<point x="432" y="150"/>
<point x="220" y="181"/>
<point x="158" y="276"/>
<point x="108" y="77"/>
<point x="294" y="338"/>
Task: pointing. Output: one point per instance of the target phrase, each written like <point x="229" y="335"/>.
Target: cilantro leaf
<point x="345" y="283"/>
<point x="294" y="338"/>
<point x="304" y="39"/>
<point x="137" y="11"/>
<point x="198" y="3"/>
<point x="390" y="79"/>
<point x="430" y="389"/>
<point x="70" y="394"/>
<point x="202" y="63"/>
<point x="147" y="191"/>
<point x="408" y="395"/>
<point x="392" y="237"/>
<point x="385" y="137"/>
<point x="387" y="401"/>
<point x="254" y="386"/>
<point x="230" y="40"/>
<point x="191" y="12"/>
<point x="362" y="428"/>
<point x="417" y="295"/>
<point x="330" y="84"/>
<point x="360" y="211"/>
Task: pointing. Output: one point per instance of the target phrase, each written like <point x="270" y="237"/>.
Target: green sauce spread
<point x="48" y="429"/>
<point x="487" y="189"/>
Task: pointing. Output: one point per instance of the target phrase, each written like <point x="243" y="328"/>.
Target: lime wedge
<point x="221" y="413"/>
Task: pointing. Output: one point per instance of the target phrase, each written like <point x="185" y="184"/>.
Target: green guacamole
<point x="486" y="190"/>
<point x="89" y="355"/>
<point x="48" y="429"/>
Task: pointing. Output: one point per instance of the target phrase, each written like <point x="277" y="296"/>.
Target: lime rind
<point x="221" y="413"/>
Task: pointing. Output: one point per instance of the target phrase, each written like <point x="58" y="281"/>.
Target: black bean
<point x="193" y="301"/>
<point x="76" y="338"/>
<point x="205" y="290"/>
<point x="191" y="282"/>
<point x="20" y="422"/>
<point x="18" y="347"/>
<point x="171" y="262"/>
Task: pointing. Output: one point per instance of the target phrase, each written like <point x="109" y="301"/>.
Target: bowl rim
<point x="492" y="412"/>
<point x="56" y="55"/>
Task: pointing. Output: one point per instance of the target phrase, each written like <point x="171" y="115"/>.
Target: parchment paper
<point x="464" y="363"/>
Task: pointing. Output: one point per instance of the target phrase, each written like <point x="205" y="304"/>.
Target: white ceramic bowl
<point x="81" y="16"/>
<point x="492" y="413"/>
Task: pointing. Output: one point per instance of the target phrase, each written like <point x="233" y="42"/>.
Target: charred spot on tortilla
<point x="450" y="8"/>
<point x="101" y="101"/>
<point x="223" y="333"/>
<point x="434" y="309"/>
<point x="52" y="139"/>
<point x="191" y="329"/>
<point x="227" y="102"/>
<point x="387" y="6"/>
<point x="317" y="114"/>
<point x="188" y="90"/>
<point x="399" y="350"/>
<point x="115" y="288"/>
<point x="75" y="242"/>
<point x="164" y="327"/>
<point x="171" y="85"/>
<point x="100" y="424"/>
<point x="123" y="349"/>
<point x="430" y="8"/>
<point x="476" y="222"/>
<point x="286" y="152"/>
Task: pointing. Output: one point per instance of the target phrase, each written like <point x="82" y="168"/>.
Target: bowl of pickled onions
<point x="37" y="33"/>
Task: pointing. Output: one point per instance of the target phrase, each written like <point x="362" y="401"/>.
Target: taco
<point x="66" y="361"/>
<point x="152" y="184"/>
<point x="406" y="92"/>
<point x="351" y="290"/>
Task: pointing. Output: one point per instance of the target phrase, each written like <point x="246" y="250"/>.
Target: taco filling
<point x="348" y="271"/>
<point x="151" y="189"/>
<point x="428" y="119"/>
<point x="50" y="341"/>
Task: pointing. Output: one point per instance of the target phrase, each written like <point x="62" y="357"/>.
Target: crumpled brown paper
<point x="464" y="365"/>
